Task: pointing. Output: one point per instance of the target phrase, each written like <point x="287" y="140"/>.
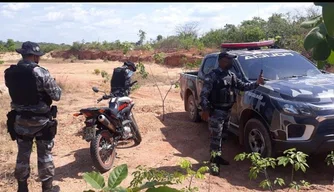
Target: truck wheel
<point x="192" y="109"/>
<point x="257" y="139"/>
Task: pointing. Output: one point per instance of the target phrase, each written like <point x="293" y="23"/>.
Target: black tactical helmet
<point x="130" y="64"/>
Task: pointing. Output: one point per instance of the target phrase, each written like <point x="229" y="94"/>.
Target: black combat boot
<point x="48" y="187"/>
<point x="22" y="186"/>
<point x="222" y="161"/>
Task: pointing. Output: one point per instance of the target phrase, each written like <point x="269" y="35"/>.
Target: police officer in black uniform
<point x="121" y="79"/>
<point x="32" y="90"/>
<point x="217" y="98"/>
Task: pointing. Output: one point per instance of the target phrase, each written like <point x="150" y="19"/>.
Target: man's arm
<point x="206" y="90"/>
<point x="47" y="83"/>
<point x="242" y="86"/>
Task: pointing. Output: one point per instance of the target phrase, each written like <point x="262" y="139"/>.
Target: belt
<point x="32" y="114"/>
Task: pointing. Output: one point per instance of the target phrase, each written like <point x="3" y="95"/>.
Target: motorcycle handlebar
<point x="133" y="83"/>
<point x="105" y="97"/>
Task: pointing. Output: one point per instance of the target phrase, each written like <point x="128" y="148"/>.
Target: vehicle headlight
<point x="295" y="108"/>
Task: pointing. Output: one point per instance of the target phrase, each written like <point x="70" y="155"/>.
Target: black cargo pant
<point x="218" y="125"/>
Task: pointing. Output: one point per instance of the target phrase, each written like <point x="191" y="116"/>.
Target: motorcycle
<point x="106" y="126"/>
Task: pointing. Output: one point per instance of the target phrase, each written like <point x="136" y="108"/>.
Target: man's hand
<point x="205" y="115"/>
<point x="260" y="80"/>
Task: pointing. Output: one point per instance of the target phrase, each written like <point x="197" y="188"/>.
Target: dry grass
<point x="8" y="147"/>
<point x="67" y="85"/>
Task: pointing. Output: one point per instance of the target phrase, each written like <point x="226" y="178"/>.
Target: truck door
<point x="237" y="106"/>
<point x="208" y="65"/>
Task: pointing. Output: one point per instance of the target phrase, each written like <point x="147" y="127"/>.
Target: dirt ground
<point x="164" y="142"/>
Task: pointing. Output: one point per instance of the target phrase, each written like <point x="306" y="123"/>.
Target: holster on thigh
<point x="11" y="116"/>
<point x="49" y="131"/>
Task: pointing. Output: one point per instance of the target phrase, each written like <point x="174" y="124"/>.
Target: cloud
<point x="266" y="10"/>
<point x="9" y="10"/>
<point x="69" y="22"/>
<point x="15" y="6"/>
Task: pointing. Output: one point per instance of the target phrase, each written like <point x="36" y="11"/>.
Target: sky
<point x="69" y="22"/>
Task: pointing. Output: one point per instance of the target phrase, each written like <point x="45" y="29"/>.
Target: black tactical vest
<point x="118" y="79"/>
<point x="21" y="83"/>
<point x="223" y="90"/>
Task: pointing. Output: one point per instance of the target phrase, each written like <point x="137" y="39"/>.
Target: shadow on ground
<point x="192" y="140"/>
<point x="80" y="165"/>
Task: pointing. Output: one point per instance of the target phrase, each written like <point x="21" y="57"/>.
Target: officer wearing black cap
<point x="32" y="90"/>
<point x="121" y="79"/>
<point x="217" y="98"/>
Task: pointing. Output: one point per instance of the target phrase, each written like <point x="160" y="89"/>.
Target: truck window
<point x="209" y="64"/>
<point x="276" y="65"/>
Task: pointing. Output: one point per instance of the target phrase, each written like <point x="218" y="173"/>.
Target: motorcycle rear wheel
<point x="103" y="158"/>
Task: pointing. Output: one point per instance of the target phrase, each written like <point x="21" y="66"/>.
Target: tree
<point x="188" y="30"/>
<point x="320" y="39"/>
<point x="142" y="37"/>
<point x="159" y="37"/>
<point x="10" y="45"/>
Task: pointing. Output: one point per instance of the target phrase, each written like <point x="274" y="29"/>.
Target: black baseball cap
<point x="30" y="48"/>
<point x="226" y="55"/>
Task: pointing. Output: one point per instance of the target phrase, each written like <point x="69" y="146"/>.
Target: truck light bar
<point x="247" y="45"/>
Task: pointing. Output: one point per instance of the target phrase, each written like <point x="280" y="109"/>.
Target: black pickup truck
<point x="293" y="109"/>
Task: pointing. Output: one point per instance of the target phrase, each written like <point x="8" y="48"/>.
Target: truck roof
<point x="245" y="52"/>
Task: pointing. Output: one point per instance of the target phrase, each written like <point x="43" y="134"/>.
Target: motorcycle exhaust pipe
<point x="106" y="123"/>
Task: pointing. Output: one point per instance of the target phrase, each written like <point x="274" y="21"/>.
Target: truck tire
<point x="257" y="139"/>
<point x="192" y="109"/>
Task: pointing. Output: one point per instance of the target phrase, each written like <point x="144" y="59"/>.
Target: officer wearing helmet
<point x="121" y="79"/>
<point x="32" y="90"/>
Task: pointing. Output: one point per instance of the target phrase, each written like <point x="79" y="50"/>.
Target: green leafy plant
<point x="296" y="159"/>
<point x="192" y="65"/>
<point x="105" y="75"/>
<point x="330" y="161"/>
<point x="261" y="165"/>
<point x="148" y="179"/>
<point x="126" y="47"/>
<point x="1" y="62"/>
<point x="147" y="47"/>
<point x="142" y="70"/>
<point x="97" y="71"/>
<point x="320" y="40"/>
<point x="159" y="58"/>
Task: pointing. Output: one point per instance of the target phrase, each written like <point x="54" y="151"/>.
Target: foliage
<point x="141" y="70"/>
<point x="97" y="71"/>
<point x="159" y="58"/>
<point x="261" y="165"/>
<point x="106" y="76"/>
<point x="320" y="39"/>
<point x="330" y="159"/>
<point x="287" y="26"/>
<point x="126" y="47"/>
<point x="1" y="62"/>
<point x="142" y="37"/>
<point x="148" y="179"/>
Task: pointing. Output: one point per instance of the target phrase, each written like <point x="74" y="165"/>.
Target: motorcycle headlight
<point x="293" y="108"/>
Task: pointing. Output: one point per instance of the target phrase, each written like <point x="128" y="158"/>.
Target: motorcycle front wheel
<point x="102" y="151"/>
<point x="134" y="127"/>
